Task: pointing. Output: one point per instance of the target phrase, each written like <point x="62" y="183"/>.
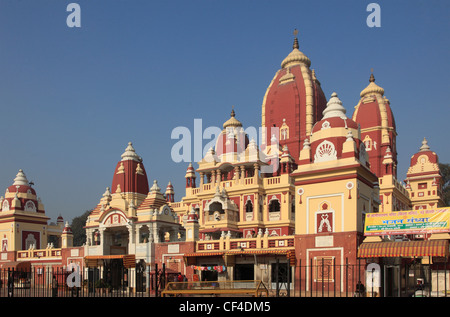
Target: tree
<point x="445" y="172"/>
<point x="78" y="230"/>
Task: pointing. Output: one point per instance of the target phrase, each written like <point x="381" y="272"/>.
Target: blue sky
<point x="72" y="98"/>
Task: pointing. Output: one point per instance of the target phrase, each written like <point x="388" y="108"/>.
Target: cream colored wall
<point x="332" y="193"/>
<point x="346" y="204"/>
<point x="261" y="186"/>
<point x="13" y="233"/>
<point x="425" y="199"/>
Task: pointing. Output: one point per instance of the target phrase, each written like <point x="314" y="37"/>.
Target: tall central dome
<point x="378" y="130"/>
<point x="130" y="175"/>
<point x="293" y="102"/>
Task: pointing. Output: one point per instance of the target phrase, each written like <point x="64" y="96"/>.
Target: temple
<point x="249" y="210"/>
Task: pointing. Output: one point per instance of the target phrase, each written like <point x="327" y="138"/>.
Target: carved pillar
<point x="219" y="176"/>
<point x="256" y="173"/>
<point x="202" y="176"/>
<point x="243" y="174"/>
<point x="213" y="178"/>
<point x="236" y="175"/>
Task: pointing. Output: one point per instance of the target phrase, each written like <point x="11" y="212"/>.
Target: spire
<point x="334" y="108"/>
<point x="372" y="87"/>
<point x="130" y="154"/>
<point x="295" y="45"/>
<point x="372" y="78"/>
<point x="155" y="187"/>
<point x="425" y="146"/>
<point x="232" y="122"/>
<point x="295" y="57"/>
<point x="20" y="179"/>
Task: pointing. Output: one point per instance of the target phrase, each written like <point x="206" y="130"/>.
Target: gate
<point x="141" y="283"/>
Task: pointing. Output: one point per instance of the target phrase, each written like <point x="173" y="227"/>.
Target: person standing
<point x="54" y="287"/>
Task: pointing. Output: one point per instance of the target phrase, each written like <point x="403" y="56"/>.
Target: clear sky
<point x="72" y="98"/>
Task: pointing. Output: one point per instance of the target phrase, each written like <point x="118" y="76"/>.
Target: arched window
<point x="30" y="206"/>
<point x="5" y="205"/>
<point x="216" y="211"/>
<point x="274" y="205"/>
<point x="215" y="206"/>
<point x="249" y="206"/>
<point x="368" y="143"/>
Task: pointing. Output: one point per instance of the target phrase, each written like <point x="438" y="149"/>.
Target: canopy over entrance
<point x="404" y="249"/>
<point x="190" y="258"/>
<point x="17" y="265"/>
<point x="129" y="260"/>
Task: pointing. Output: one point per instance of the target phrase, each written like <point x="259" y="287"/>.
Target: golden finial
<point x="295" y="46"/>
<point x="232" y="111"/>
<point x="372" y="78"/>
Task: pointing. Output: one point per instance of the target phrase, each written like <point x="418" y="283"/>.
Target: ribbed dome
<point x="130" y="175"/>
<point x="130" y="154"/>
<point x="372" y="88"/>
<point x="424" y="161"/>
<point x="378" y="130"/>
<point x="233" y="138"/>
<point x="295" y="57"/>
<point x="232" y="122"/>
<point x="21" y="179"/>
<point x="334" y="117"/>
<point x="21" y="184"/>
<point x="293" y="103"/>
<point x="334" y="108"/>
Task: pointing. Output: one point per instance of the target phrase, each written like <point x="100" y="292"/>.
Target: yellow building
<point x="379" y="133"/>
<point x="423" y="179"/>
<point x="127" y="223"/>
<point x="301" y="196"/>
<point x="24" y="224"/>
<point x="335" y="189"/>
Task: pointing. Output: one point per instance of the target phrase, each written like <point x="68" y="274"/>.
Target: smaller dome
<point x="67" y="229"/>
<point x="232" y="122"/>
<point x="372" y="88"/>
<point x="424" y="161"/>
<point x="21" y="179"/>
<point x="425" y="146"/>
<point x="21" y="184"/>
<point x="155" y="187"/>
<point x="169" y="188"/>
<point x="334" y="108"/>
<point x="130" y="175"/>
<point x="233" y="138"/>
<point x="130" y="154"/>
<point x="331" y="136"/>
<point x="295" y="57"/>
<point x="192" y="216"/>
<point x="190" y="171"/>
<point x="334" y="116"/>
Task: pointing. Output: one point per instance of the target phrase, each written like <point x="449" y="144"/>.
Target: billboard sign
<point x="407" y="222"/>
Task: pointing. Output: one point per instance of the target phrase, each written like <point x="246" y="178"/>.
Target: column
<point x="202" y="176"/>
<point x="236" y="175"/>
<point x="243" y="174"/>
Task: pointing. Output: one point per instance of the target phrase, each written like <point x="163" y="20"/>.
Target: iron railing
<point x="312" y="279"/>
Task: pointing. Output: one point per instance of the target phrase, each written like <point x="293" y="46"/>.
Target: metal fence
<point x="397" y="277"/>
<point x="313" y="279"/>
<point x="51" y="282"/>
